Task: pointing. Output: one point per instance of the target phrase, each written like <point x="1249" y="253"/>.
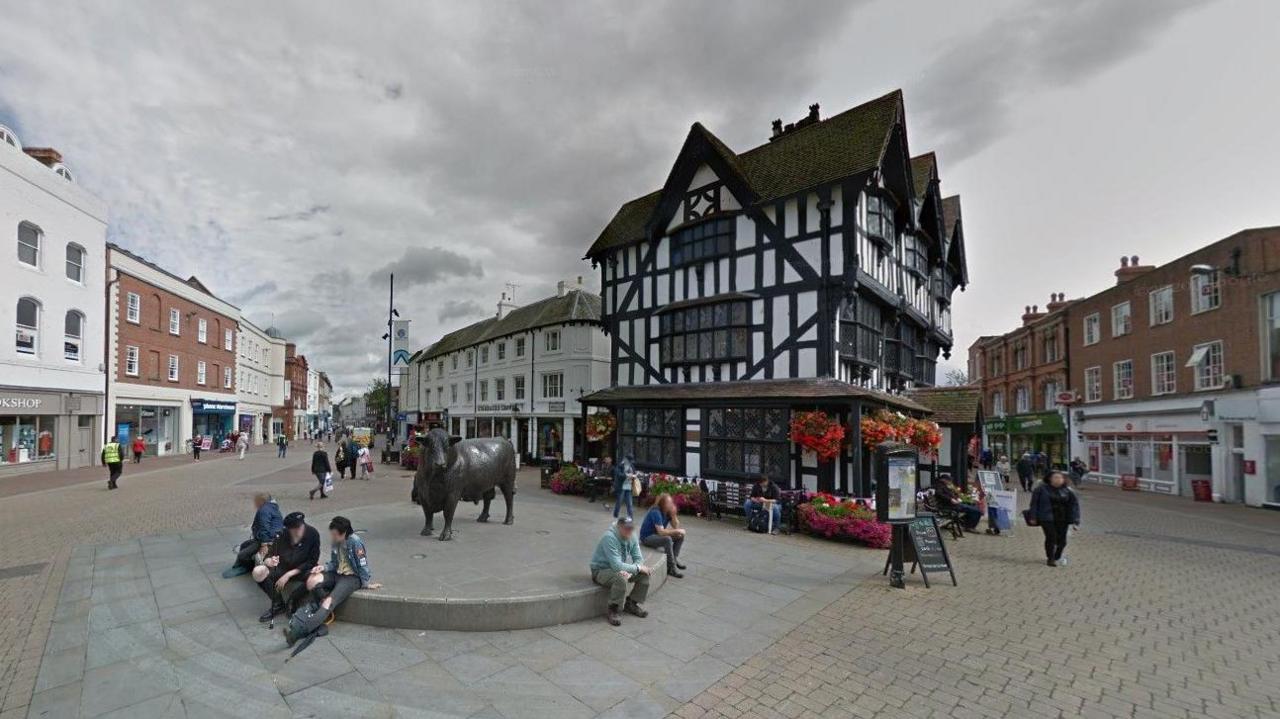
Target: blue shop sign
<point x="212" y="406"/>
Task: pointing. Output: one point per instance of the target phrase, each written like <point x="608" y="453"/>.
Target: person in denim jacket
<point x="331" y="583"/>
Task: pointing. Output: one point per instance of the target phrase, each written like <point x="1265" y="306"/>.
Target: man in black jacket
<point x="291" y="557"/>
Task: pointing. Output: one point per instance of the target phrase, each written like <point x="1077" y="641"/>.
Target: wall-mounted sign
<point x="499" y="407"/>
<point x="555" y="406"/>
<point x="212" y="406"/>
<point x="21" y="402"/>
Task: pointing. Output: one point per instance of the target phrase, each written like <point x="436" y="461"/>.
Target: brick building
<point x="1173" y="368"/>
<point x="172" y="349"/>
<point x="294" y="411"/>
<point x="1021" y="373"/>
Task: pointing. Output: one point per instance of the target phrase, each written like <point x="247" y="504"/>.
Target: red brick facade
<point x="155" y="342"/>
<point x="295" y="377"/>
<point x="1032" y="358"/>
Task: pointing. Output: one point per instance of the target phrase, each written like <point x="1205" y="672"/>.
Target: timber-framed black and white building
<point x="813" y="271"/>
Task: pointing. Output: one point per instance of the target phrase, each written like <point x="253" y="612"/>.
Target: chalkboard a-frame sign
<point x="919" y="542"/>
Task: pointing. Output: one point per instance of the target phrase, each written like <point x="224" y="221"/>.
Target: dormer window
<point x="62" y="171"/>
<point x="880" y="227"/>
<point x="8" y="138"/>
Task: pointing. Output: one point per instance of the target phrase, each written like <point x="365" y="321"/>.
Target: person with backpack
<point x="764" y="497"/>
<point x="1055" y="508"/>
<point x="332" y="583"/>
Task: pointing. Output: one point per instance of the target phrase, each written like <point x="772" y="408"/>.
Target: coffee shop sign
<point x="20" y="402"/>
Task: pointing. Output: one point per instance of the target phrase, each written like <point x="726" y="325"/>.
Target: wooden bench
<point x="728" y="495"/>
<point x="948" y="520"/>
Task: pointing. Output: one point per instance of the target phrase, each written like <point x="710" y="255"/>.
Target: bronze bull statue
<point x="452" y="469"/>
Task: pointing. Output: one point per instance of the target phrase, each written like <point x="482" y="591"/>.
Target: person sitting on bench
<point x="764" y="489"/>
<point x="949" y="499"/>
<point x="292" y="556"/>
<point x="331" y="583"/>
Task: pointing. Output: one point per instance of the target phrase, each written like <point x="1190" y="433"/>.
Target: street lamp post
<point x="391" y="315"/>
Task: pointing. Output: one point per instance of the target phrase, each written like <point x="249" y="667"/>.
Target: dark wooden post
<point x="858" y="484"/>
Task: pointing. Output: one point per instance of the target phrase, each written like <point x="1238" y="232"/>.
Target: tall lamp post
<point x="391" y="315"/>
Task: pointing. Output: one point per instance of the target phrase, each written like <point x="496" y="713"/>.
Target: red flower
<point x="819" y="433"/>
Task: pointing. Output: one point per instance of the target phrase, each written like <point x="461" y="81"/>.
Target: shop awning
<point x="809" y="390"/>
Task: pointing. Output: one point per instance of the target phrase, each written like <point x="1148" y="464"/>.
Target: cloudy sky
<point x="291" y="154"/>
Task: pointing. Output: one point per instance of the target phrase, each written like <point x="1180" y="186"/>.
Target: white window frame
<point x="469" y="391"/>
<point x="131" y="361"/>
<point x="33" y="330"/>
<point x="453" y="394"/>
<point x="502" y="351"/>
<point x="1093" y="384"/>
<point x="1198" y="285"/>
<point x="551" y="340"/>
<point x="997" y="403"/>
<point x="1021" y="399"/>
<point x="1119" y="388"/>
<point x="226" y="377"/>
<point x="173" y="368"/>
<point x="1160" y="306"/>
<point x="1270" y="314"/>
<point x="78" y="264"/>
<point x="517" y="387"/>
<point x="1121" y="326"/>
<point x="202" y="331"/>
<point x="1092" y="329"/>
<point x="201" y="372"/>
<point x="484" y="390"/>
<point x="1205" y="357"/>
<point x="175" y="322"/>
<point x="1157" y="378"/>
<point x="39" y="247"/>
<point x="133" y="308"/>
<point x="471" y="359"/>
<point x="499" y="389"/>
<point x="484" y="355"/>
<point x="1050" y="395"/>
<point x="70" y="340"/>
<point x="228" y="342"/>
<point x="558" y="383"/>
<point x="520" y="346"/>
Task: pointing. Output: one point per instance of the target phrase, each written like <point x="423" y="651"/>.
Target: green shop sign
<point x="1037" y="423"/>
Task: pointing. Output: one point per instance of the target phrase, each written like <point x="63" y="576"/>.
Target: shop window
<point x="1109" y="456"/>
<point x="1160" y="305"/>
<point x="517" y="387"/>
<point x="75" y="262"/>
<point x="73" y="336"/>
<point x="1093" y="384"/>
<point x="1121" y="319"/>
<point x="29" y="241"/>
<point x="1164" y="373"/>
<point x="652" y="437"/>
<point x="1272" y="495"/>
<point x="1122" y="375"/>
<point x="746" y="442"/>
<point x="716" y="332"/>
<point x="1206" y="292"/>
<point x="702" y="241"/>
<point x="27" y="338"/>
<point x="131" y="361"/>
<point x="553" y="385"/>
<point x="26" y="438"/>
<point x="1206" y="361"/>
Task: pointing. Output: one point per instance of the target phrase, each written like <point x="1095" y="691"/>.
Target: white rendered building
<point x="260" y="388"/>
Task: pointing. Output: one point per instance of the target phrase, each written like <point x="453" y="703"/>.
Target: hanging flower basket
<point x="819" y="433"/>
<point x="600" y="426"/>
<point x="886" y="426"/>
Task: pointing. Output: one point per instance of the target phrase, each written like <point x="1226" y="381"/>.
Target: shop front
<point x="1169" y="451"/>
<point x="156" y="424"/>
<point x="1035" y="432"/>
<point x="48" y="430"/>
<point x="212" y="418"/>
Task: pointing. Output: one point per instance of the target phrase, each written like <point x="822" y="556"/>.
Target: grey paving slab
<point x="61" y="668"/>
<point x="110" y="615"/>
<point x="58" y="703"/>
<point x="123" y="684"/>
<point x="67" y="633"/>
<point x="166" y="706"/>
<point x="123" y="643"/>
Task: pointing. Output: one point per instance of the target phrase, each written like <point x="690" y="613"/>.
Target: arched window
<point x="73" y="335"/>
<point x="28" y="336"/>
<point x="75" y="262"/>
<point x="29" y="237"/>
<point x="8" y="138"/>
<point x="63" y="172"/>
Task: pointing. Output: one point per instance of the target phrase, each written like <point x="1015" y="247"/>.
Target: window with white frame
<point x="471" y="392"/>
<point x="1093" y="384"/>
<point x="519" y="346"/>
<point x="1271" y="335"/>
<point x="227" y="340"/>
<point x="1160" y="304"/>
<point x="484" y="355"/>
<point x="1122" y="379"/>
<point x="1206" y="292"/>
<point x="175" y="322"/>
<point x="131" y="361"/>
<point x="502" y="351"/>
<point x="1050" y="397"/>
<point x="27" y="340"/>
<point x="997" y="404"/>
<point x="73" y="335"/>
<point x="1206" y="362"/>
<point x="133" y="308"/>
<point x="553" y="385"/>
<point x="440" y="368"/>
<point x="1092" y="329"/>
<point x="202" y="331"/>
<point x="1121" y="319"/>
<point x="484" y="390"/>
<point x="29" y="240"/>
<point x="499" y="389"/>
<point x="75" y="262"/>
<point x="226" y="377"/>
<point x="552" y="340"/>
<point x="1021" y="399"/>
<point x="200" y="372"/>
<point x="426" y="398"/>
<point x="517" y="387"/>
<point x="1164" y="373"/>
<point x="173" y="368"/>
<point x="454" y="361"/>
<point x="453" y="393"/>
<point x="471" y="358"/>
<point x="1050" y="344"/>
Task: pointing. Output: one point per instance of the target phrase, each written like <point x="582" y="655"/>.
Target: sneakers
<point x="673" y="572"/>
<point x="635" y="609"/>
<point x="1062" y="562"/>
<point x="235" y="570"/>
<point x="679" y="565"/>
<point x="611" y="616"/>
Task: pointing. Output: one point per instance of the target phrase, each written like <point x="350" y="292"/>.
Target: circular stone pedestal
<point x="490" y="576"/>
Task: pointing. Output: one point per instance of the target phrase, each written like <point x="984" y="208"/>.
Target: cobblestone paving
<point x="1177" y="617"/>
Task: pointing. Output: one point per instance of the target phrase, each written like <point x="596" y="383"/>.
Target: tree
<point x="956" y="377"/>
<point x="375" y="399"/>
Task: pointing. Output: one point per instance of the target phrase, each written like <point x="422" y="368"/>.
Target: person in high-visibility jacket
<point x="112" y="457"/>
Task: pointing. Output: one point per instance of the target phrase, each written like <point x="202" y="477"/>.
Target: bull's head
<point x="435" y="451"/>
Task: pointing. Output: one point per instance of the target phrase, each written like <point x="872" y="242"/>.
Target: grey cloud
<point x="428" y="265"/>
<point x="246" y="297"/>
<point x="306" y="214"/>
<point x="459" y="309"/>
<point x="967" y="95"/>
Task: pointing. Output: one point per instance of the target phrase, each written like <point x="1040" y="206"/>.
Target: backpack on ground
<point x="758" y="521"/>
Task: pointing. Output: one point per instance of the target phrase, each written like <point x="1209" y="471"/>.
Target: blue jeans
<point x="620" y="496"/>
<point x="751" y="505"/>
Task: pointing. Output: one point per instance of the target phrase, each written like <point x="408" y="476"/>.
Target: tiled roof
<point x="923" y="168"/>
<point x="840" y="146"/>
<point x="798" y="389"/>
<point x="950" y="405"/>
<point x="573" y="306"/>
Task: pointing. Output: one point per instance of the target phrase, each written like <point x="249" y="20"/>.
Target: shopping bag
<point x="1029" y="518"/>
<point x="328" y="482"/>
<point x="1003" y="522"/>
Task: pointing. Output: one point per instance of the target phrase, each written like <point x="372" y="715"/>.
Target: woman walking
<point x="1055" y="507"/>
<point x="622" y="473"/>
<point x="321" y="469"/>
<point x="366" y="464"/>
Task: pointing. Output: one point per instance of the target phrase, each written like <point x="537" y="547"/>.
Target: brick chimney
<point x="564" y="287"/>
<point x="1057" y="301"/>
<point x="1130" y="269"/>
<point x="46" y="155"/>
<point x="1031" y="314"/>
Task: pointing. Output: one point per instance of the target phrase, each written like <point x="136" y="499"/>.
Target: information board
<point x="902" y="487"/>
<point x="990" y="481"/>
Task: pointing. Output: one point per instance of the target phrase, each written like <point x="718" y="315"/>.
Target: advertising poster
<point x="902" y="487"/>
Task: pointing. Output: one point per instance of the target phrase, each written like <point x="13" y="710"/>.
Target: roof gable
<point x="954" y="228"/>
<point x="950" y="405"/>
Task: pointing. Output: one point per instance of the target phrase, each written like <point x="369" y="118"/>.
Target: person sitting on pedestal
<point x="267" y="524"/>
<point x="292" y="556"/>
<point x="661" y="530"/>
<point x="332" y="583"/>
<point x="616" y="562"/>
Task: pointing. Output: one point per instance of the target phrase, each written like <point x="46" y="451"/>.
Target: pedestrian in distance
<point x="661" y="530"/>
<point x="1056" y="509"/>
<point x="111" y="457"/>
<point x="617" y="562"/>
<point x="197" y="443"/>
<point x="138" y="448"/>
<point x="282" y="445"/>
<point x="366" y="465"/>
<point x="321" y="469"/>
<point x="353" y="455"/>
<point x="242" y="443"/>
<point x="1003" y="468"/>
<point x="1078" y="471"/>
<point x="623" y="472"/>
<point x="1026" y="469"/>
